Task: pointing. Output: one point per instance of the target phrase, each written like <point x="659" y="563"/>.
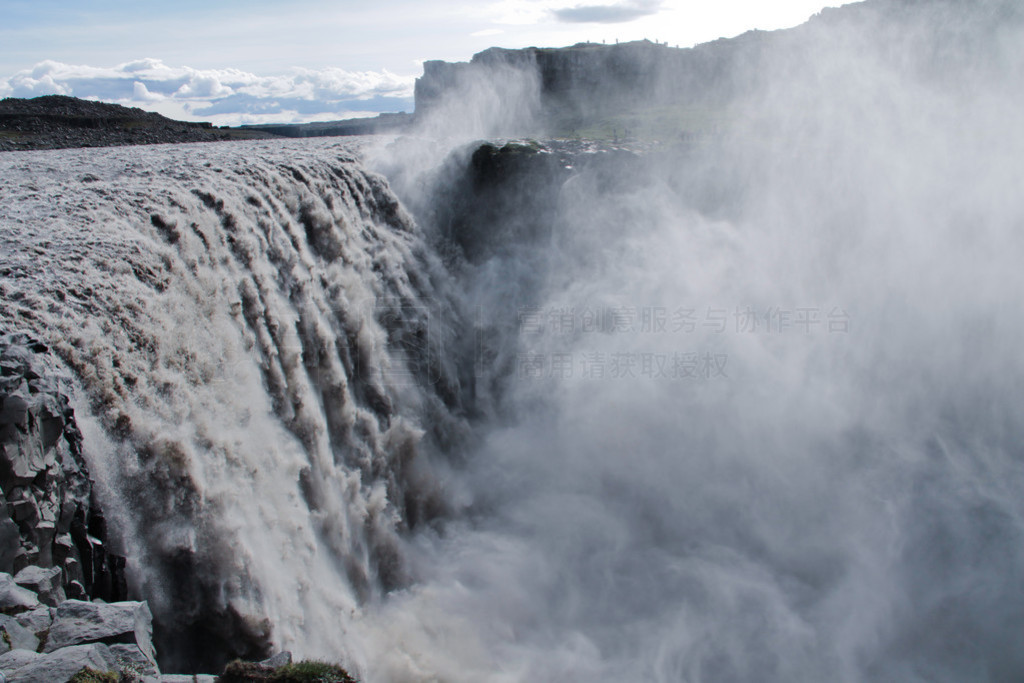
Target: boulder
<point x="46" y="583"/>
<point x="76" y="622"/>
<point x="14" y="636"/>
<point x="38" y="620"/>
<point x="61" y="665"/>
<point x="13" y="598"/>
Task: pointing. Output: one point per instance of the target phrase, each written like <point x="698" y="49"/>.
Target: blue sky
<point x="230" y="61"/>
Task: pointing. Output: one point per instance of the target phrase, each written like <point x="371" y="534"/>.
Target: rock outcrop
<point x="40" y="644"/>
<point x="127" y="623"/>
<point x="573" y="85"/>
<point x="52" y="532"/>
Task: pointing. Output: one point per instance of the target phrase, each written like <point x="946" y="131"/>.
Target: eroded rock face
<point x="49" y="517"/>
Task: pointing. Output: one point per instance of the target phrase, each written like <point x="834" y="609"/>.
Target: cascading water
<point x="260" y="335"/>
<point x="744" y="409"/>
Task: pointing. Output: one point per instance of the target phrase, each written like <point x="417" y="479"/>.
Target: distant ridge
<point x="382" y="123"/>
<point x="59" y="121"/>
<point x="604" y="89"/>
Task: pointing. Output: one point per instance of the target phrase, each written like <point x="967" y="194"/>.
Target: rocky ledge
<point x="46" y="641"/>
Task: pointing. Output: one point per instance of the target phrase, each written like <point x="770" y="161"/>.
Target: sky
<point x="260" y="61"/>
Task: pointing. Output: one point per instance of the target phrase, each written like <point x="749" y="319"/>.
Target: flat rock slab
<point x="77" y="622"/>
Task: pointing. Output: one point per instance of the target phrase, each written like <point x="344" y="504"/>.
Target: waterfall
<point x="262" y="335"/>
<point x="735" y="407"/>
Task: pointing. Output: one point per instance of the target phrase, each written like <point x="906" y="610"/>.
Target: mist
<point x="735" y="402"/>
<point x="758" y="422"/>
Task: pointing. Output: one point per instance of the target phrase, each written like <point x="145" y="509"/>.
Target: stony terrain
<point x="57" y="121"/>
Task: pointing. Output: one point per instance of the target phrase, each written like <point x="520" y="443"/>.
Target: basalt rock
<point x="49" y="516"/>
<point x="78" y="622"/>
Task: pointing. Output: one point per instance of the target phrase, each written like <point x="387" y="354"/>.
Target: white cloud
<point x="615" y="13"/>
<point x="517" y="12"/>
<point x="140" y="93"/>
<point x="224" y="96"/>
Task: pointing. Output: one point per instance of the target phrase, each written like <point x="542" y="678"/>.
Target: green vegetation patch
<point x="311" y="671"/>
<point x="668" y="123"/>
<point x="88" y="675"/>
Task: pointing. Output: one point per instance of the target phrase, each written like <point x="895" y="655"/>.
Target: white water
<point x="271" y="441"/>
<point x="830" y="500"/>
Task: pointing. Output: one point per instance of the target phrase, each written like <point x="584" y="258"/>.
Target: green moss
<point x="7" y="638"/>
<point x="667" y="123"/>
<point x="244" y="672"/>
<point x="301" y="672"/>
<point x="88" y="675"/>
<point x="311" y="672"/>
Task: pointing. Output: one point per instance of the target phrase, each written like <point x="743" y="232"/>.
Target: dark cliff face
<point x="49" y="516"/>
<point x="575" y="86"/>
